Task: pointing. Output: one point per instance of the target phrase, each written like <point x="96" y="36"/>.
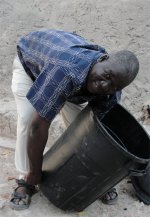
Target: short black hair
<point x="129" y="63"/>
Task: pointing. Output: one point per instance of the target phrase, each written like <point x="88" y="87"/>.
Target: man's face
<point x="106" y="78"/>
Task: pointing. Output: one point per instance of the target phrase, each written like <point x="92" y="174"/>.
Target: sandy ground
<point x="123" y="24"/>
<point x="127" y="206"/>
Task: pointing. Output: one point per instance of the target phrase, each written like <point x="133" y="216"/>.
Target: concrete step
<point x="8" y="118"/>
<point x="9" y="143"/>
<point x="8" y="122"/>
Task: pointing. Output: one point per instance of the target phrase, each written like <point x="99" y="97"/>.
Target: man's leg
<point x="70" y="111"/>
<point x="21" y="84"/>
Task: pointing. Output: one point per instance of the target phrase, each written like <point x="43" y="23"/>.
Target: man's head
<point x="114" y="73"/>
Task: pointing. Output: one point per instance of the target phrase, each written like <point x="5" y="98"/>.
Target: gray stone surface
<point x="114" y="24"/>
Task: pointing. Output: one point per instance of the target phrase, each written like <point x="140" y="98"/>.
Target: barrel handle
<point x="134" y="172"/>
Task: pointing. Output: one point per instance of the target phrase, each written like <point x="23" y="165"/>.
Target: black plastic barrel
<point x="92" y="156"/>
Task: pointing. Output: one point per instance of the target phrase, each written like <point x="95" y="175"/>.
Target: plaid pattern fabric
<point x="59" y="61"/>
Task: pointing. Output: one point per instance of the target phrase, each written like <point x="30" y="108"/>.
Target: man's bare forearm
<point x="37" y="139"/>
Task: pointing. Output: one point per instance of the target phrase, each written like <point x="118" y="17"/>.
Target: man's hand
<point x="37" y="139"/>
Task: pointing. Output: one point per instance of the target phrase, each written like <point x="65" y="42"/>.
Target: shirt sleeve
<point x="50" y="91"/>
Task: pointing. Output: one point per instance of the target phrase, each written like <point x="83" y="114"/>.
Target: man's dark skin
<point x="105" y="78"/>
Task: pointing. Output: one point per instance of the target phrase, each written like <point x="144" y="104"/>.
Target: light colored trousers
<point x="21" y="84"/>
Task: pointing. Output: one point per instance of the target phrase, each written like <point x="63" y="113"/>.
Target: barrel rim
<point x="117" y="145"/>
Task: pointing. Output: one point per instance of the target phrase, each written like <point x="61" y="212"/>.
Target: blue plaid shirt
<point x="59" y="63"/>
